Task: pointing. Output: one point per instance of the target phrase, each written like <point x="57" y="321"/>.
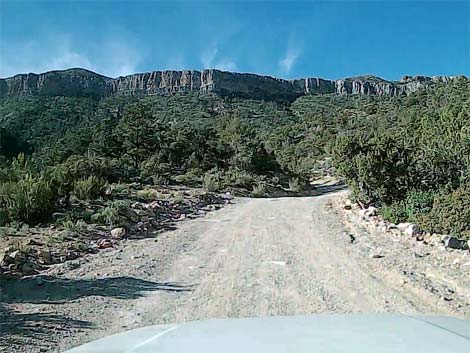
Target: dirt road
<point x="257" y="257"/>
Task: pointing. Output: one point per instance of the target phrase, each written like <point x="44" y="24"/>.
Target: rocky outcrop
<point x="80" y="82"/>
<point x="73" y="82"/>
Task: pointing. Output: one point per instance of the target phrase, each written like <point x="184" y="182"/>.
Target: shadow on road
<point x="47" y="289"/>
<point x="17" y="328"/>
<point x="312" y="190"/>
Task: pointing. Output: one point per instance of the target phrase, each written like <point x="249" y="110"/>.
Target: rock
<point x="371" y="211"/>
<point x="45" y="257"/>
<point x="118" y="233"/>
<point x="453" y="242"/>
<point x="367" y="213"/>
<point x="14" y="254"/>
<point x="382" y="225"/>
<point x="376" y="256"/>
<point x="35" y="242"/>
<point x="72" y="255"/>
<point x="347" y="204"/>
<point x="408" y="228"/>
<point x="80" y="82"/>
<point x="411" y="230"/>
<point x="130" y="214"/>
<point x="105" y="243"/>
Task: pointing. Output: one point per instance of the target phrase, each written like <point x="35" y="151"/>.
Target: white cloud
<point x="67" y="58"/>
<point x="210" y="59"/>
<point x="225" y="65"/>
<point x="287" y="62"/>
<point x="112" y="58"/>
<point x="208" y="56"/>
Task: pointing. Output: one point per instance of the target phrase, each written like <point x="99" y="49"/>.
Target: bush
<point x="450" y="213"/>
<point x="377" y="167"/>
<point x="191" y="178"/>
<point x="111" y="215"/>
<point x="415" y="204"/>
<point x="79" y="226"/>
<point x="211" y="182"/>
<point x="418" y="203"/>
<point x="147" y="194"/>
<point x="259" y="189"/>
<point x="394" y="213"/>
<point x="294" y="185"/>
<point x="30" y="200"/>
<point x="239" y="177"/>
<point x="88" y="188"/>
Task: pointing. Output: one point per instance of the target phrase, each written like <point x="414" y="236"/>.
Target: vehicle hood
<point x="317" y="333"/>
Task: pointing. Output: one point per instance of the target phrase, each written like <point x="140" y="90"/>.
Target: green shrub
<point x="147" y="194"/>
<point x="211" y="182"/>
<point x="112" y="214"/>
<point x="394" y="213"/>
<point x="259" y="189"/>
<point x="450" y="213"/>
<point x="418" y="203"/>
<point x="415" y="204"/>
<point x="239" y="178"/>
<point x="30" y="200"/>
<point x="88" y="188"/>
<point x="191" y="178"/>
<point x="79" y="226"/>
<point x="294" y="185"/>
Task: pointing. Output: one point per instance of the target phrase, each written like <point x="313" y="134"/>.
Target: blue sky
<point x="286" y="39"/>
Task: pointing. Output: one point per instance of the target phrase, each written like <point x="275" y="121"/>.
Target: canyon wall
<point x="80" y="82"/>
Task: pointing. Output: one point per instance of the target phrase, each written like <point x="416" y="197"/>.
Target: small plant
<point x="119" y="189"/>
<point x="111" y="215"/>
<point x="79" y="226"/>
<point x="294" y="185"/>
<point x="259" y="189"/>
<point x="211" y="182"/>
<point x="147" y="194"/>
<point x="88" y="188"/>
<point x="160" y="180"/>
<point x="394" y="213"/>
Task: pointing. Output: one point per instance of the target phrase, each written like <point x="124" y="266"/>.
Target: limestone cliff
<point x="80" y="82"/>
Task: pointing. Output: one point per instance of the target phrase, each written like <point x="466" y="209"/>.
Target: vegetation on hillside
<point x="408" y="155"/>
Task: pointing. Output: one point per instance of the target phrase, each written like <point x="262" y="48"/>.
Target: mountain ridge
<point x="83" y="82"/>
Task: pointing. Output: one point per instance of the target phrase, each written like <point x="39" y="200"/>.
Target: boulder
<point x="453" y="242"/>
<point x="366" y="213"/>
<point x="118" y="233"/>
<point x="347" y="204"/>
<point x="408" y="228"/>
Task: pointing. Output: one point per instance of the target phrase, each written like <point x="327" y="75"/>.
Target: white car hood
<point x="317" y="333"/>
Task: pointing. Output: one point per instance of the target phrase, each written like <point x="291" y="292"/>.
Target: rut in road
<point x="257" y="257"/>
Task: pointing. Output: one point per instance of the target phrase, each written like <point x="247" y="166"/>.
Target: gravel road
<point x="256" y="257"/>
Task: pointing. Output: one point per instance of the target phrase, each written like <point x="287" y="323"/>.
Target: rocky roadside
<point x="141" y="213"/>
<point x="370" y="218"/>
<point x="434" y="267"/>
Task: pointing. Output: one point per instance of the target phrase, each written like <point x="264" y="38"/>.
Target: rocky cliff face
<point x="80" y="82"/>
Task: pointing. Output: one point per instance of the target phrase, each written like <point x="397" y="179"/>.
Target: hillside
<point x="61" y="157"/>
